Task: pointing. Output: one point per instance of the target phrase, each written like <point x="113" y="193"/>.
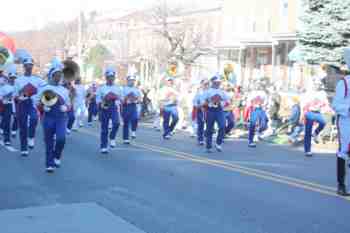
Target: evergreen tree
<point x="325" y="31"/>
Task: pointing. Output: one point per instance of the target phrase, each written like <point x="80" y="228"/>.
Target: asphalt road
<point x="175" y="187"/>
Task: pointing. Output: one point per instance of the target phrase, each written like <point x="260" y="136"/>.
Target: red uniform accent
<point x="247" y="111"/>
<point x="194" y="113"/>
<point x="29" y="90"/>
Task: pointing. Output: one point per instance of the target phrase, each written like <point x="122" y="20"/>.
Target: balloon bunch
<point x="7" y="50"/>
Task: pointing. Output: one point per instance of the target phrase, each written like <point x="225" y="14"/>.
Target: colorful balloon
<point x="7" y="42"/>
<point x="7" y="49"/>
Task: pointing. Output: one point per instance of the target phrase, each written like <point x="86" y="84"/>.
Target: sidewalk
<point x="74" y="218"/>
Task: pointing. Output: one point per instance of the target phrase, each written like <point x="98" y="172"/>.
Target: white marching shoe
<point x="24" y="153"/>
<point x="113" y="143"/>
<point x="50" y="169"/>
<point x="133" y="134"/>
<point x="218" y="148"/>
<point x="104" y="151"/>
<point x="31" y="143"/>
<point x="57" y="162"/>
<point x="126" y="142"/>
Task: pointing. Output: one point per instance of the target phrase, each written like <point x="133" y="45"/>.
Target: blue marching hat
<point x="56" y="66"/>
<point x="347" y="56"/>
<point x="28" y="60"/>
<point x="131" y="78"/>
<point x="110" y="71"/>
<point x="216" y="78"/>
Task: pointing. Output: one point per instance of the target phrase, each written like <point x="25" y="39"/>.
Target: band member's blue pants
<point x="92" y="110"/>
<point x="130" y="118"/>
<point x="215" y="115"/>
<point x="200" y="125"/>
<point x="54" y="126"/>
<point x="14" y="122"/>
<point x="106" y="115"/>
<point x="71" y="119"/>
<point x="230" y="121"/>
<point x="6" y="121"/>
<point x="25" y="111"/>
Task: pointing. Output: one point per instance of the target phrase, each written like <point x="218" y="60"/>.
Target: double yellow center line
<point x="291" y="181"/>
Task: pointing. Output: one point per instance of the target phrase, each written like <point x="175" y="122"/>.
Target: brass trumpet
<point x="49" y="98"/>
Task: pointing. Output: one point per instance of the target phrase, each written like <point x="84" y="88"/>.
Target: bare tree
<point x="188" y="36"/>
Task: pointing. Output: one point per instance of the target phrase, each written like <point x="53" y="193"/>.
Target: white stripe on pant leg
<point x="343" y="124"/>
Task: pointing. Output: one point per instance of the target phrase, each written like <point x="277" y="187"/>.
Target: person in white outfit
<point x="79" y="104"/>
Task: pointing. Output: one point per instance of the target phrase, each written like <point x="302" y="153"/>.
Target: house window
<point x="284" y="14"/>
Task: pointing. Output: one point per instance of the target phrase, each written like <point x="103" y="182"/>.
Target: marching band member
<point x="313" y="113"/>
<point x="107" y="98"/>
<point x="6" y="108"/>
<point x="91" y="103"/>
<point x="53" y="100"/>
<point x="341" y="106"/>
<point x="257" y="117"/>
<point x="216" y="100"/>
<point x="26" y="87"/>
<point x="131" y="97"/>
<point x="169" y="103"/>
<point x="79" y="103"/>
<point x="198" y="111"/>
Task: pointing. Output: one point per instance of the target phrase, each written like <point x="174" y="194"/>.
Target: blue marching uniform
<point x="6" y="101"/>
<point x="108" y="99"/>
<point x="216" y="99"/>
<point x="54" y="124"/>
<point x="131" y="97"/>
<point x="70" y="119"/>
<point x="230" y="121"/>
<point x="26" y="87"/>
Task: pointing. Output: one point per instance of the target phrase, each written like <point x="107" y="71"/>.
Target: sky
<point x="19" y="15"/>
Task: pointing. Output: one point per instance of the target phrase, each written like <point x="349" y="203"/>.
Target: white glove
<point x="21" y="97"/>
<point x="46" y="109"/>
<point x="64" y="108"/>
